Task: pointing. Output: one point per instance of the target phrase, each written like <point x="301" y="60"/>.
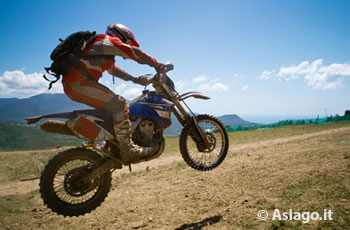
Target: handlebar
<point x="168" y="66"/>
<point x="159" y="76"/>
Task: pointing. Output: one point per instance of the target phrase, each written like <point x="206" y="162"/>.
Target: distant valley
<point x="14" y="134"/>
<point x="16" y="110"/>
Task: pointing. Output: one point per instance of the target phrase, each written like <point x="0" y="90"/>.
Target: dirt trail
<point x="282" y="140"/>
<point x="36" y="151"/>
<point x="24" y="187"/>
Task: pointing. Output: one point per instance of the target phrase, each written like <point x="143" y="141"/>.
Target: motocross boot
<point x="128" y="150"/>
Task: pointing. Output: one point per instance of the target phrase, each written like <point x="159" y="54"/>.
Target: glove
<point x="160" y="68"/>
<point x="143" y="80"/>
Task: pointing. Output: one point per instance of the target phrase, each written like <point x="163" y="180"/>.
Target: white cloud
<point x="245" y="87"/>
<point x="235" y="76"/>
<point x="304" y="68"/>
<point x="207" y="84"/>
<point x="200" y="78"/>
<point x="213" y="87"/>
<point x="219" y="86"/>
<point x="180" y="85"/>
<point x="131" y="93"/>
<point x="120" y="87"/>
<point x="266" y="75"/>
<point x="18" y="84"/>
<point x="315" y="74"/>
<point x="204" y="87"/>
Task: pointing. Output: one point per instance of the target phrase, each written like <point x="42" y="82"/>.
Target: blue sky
<point x="253" y="58"/>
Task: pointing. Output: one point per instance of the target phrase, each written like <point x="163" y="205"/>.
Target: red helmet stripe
<point x="122" y="32"/>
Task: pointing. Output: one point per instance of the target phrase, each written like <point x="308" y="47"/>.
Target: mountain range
<point x="16" y="110"/>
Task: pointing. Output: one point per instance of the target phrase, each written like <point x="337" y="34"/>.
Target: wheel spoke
<point x="62" y="187"/>
<point x="217" y="139"/>
<point x="65" y="187"/>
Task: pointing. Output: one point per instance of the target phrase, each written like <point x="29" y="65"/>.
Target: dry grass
<point x="242" y="137"/>
<point x="306" y="175"/>
<point x="23" y="166"/>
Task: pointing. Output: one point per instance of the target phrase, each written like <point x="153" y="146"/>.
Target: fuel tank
<point x="153" y="107"/>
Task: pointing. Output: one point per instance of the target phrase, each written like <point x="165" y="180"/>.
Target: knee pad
<point x="119" y="107"/>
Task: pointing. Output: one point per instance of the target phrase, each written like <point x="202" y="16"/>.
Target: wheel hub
<point x="74" y="185"/>
<point x="212" y="142"/>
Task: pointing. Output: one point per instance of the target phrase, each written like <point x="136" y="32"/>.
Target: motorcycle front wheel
<point x="192" y="151"/>
<point x="61" y="187"/>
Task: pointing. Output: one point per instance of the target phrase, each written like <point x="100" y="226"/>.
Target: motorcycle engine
<point x="144" y="133"/>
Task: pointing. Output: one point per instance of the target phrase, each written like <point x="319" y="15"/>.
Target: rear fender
<point x="87" y="127"/>
<point x="91" y="125"/>
<point x="32" y="120"/>
<point x="57" y="127"/>
<point x="193" y="94"/>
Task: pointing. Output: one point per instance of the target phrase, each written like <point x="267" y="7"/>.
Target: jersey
<point x="97" y="59"/>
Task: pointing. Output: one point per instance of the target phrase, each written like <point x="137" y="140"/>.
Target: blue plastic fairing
<point x="153" y="107"/>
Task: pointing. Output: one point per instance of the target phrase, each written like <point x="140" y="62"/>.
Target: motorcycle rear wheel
<point x="58" y="188"/>
<point x="198" y="157"/>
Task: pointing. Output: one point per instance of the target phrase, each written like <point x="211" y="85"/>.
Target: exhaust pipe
<point x="57" y="127"/>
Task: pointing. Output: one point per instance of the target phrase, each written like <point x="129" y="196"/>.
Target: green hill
<point x="16" y="110"/>
<point x="5" y="101"/>
<point x="14" y="136"/>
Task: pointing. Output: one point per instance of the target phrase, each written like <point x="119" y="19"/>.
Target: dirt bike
<point x="77" y="181"/>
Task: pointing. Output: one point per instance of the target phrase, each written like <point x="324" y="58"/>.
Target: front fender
<point x="193" y="94"/>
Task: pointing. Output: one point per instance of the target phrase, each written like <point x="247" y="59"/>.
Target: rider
<point x="117" y="41"/>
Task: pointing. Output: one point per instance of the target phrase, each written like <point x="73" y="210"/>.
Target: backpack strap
<point x="58" y="77"/>
<point x="75" y="61"/>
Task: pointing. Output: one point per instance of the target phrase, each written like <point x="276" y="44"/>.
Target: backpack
<point x="66" y="54"/>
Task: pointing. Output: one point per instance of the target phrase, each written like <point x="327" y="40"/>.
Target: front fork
<point x="100" y="167"/>
<point x="198" y="134"/>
